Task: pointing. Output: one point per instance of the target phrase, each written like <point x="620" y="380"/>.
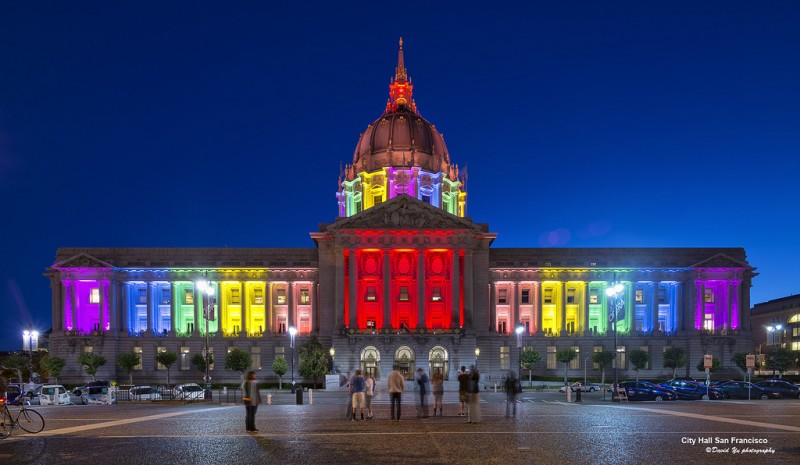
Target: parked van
<point x="53" y="394"/>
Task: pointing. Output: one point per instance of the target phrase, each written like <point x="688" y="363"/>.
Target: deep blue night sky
<point x="207" y="123"/>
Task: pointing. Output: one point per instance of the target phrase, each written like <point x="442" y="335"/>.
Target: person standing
<point x="437" y="387"/>
<point x="474" y="395"/>
<point x="370" y="392"/>
<point x="463" y="390"/>
<point x="252" y="398"/>
<point x="359" y="389"/>
<point x="512" y="389"/>
<point x="395" y="384"/>
<point x="422" y="383"/>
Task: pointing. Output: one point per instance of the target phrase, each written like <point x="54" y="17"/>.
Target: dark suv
<point x="78" y="391"/>
<point x="785" y="388"/>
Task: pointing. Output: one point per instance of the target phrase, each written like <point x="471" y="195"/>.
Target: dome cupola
<point x="400" y="153"/>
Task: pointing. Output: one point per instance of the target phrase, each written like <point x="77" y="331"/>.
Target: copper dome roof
<point x="401" y="138"/>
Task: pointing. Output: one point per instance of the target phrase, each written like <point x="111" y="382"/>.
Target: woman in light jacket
<point x="251" y="398"/>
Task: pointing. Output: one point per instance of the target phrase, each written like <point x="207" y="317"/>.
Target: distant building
<point x="783" y="313"/>
<point x="402" y="277"/>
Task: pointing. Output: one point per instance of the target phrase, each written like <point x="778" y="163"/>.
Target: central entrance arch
<point x="370" y="361"/>
<point x="439" y="362"/>
<point x="404" y="359"/>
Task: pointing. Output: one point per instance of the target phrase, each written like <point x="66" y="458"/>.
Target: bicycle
<point x="29" y="420"/>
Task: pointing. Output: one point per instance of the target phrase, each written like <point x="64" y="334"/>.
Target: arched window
<point x="404" y="360"/>
<point x="439" y="362"/>
<point x="794" y="319"/>
<point x="370" y="361"/>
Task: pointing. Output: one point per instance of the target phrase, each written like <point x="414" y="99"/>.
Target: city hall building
<point x="401" y="277"/>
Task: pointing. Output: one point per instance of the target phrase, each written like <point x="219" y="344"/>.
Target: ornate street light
<point x="30" y="344"/>
<point x="292" y="332"/>
<point x="773" y="332"/>
<point x="332" y="352"/>
<point x="477" y="353"/>
<point x="519" y="331"/>
<point x="208" y="314"/>
<point x="615" y="291"/>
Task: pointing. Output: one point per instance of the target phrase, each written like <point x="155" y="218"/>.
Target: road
<point x="546" y="430"/>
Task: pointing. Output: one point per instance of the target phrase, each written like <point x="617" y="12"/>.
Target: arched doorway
<point x="439" y="362"/>
<point x="404" y="359"/>
<point x="370" y="361"/>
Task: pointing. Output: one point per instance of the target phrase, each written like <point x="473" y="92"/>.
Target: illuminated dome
<point x="400" y="153"/>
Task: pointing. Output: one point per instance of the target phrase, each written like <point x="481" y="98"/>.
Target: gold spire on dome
<point x="400" y="89"/>
<point x="400" y="72"/>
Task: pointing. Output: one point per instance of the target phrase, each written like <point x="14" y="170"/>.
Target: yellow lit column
<point x="585" y="328"/>
<point x="562" y="306"/>
<point x="243" y="315"/>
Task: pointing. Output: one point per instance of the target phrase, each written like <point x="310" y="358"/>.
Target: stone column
<point x="315" y="306"/>
<point x="271" y="328"/>
<point x="563" y="307"/>
<point x="456" y="288"/>
<point x="514" y="307"/>
<point x="105" y="309"/>
<point x="468" y="290"/>
<point x="243" y="315"/>
<point x="388" y="298"/>
<point x="537" y="306"/>
<point x="353" y="288"/>
<point x="150" y="287"/>
<point x="585" y="307"/>
<point x="175" y="319"/>
<point x="654" y="307"/>
<point x="290" y="304"/>
<point x="338" y="310"/>
<point x="421" y="298"/>
<point x="492" y="304"/>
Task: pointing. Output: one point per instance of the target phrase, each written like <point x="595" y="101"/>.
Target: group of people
<point x="362" y="390"/>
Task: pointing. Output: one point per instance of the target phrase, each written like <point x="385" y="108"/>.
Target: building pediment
<point x="405" y="212"/>
<point x="82" y="261"/>
<point x="721" y="261"/>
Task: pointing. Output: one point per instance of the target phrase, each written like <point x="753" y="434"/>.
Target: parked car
<point x="54" y="394"/>
<point x="98" y="395"/>
<point x="743" y="390"/>
<point x="143" y="393"/>
<point x="78" y="391"/>
<point x="690" y="390"/>
<point x="785" y="388"/>
<point x="645" y="390"/>
<point x="588" y="387"/>
<point x="189" y="391"/>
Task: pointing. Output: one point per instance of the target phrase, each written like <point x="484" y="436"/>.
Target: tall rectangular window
<point x="255" y="358"/>
<point x="280" y="296"/>
<point x="571" y="295"/>
<point x="403" y="294"/>
<point x="280" y="351"/>
<point x="525" y="298"/>
<point x="305" y="298"/>
<point x="258" y="296"/>
<point x="436" y="294"/>
<point x="548" y="296"/>
<point x="142" y="295"/>
<point x="709" y="296"/>
<point x="593" y="296"/>
<point x="552" y="363"/>
<point x="662" y="295"/>
<point x="639" y="296"/>
<point x="621" y="359"/>
<point x="185" y="359"/>
<point x="138" y="351"/>
<point x="235" y="295"/>
<point x="371" y="295"/>
<point x="188" y="296"/>
<point x="94" y="295"/>
<point x="505" y="358"/>
<point x="502" y="297"/>
<point x="166" y="294"/>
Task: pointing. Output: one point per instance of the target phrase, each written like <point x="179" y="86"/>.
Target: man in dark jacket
<point x="422" y="382"/>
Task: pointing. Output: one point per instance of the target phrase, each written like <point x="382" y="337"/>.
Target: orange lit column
<point x="353" y="323"/>
<point x="421" y="289"/>
<point x="387" y="292"/>
<point x="455" y="304"/>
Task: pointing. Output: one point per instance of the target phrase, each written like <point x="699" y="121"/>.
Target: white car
<point x="588" y="387"/>
<point x="53" y="394"/>
<point x="137" y="393"/>
<point x="190" y="391"/>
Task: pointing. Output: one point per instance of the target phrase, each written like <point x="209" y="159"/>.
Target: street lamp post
<point x="30" y="343"/>
<point x="585" y="362"/>
<point x="615" y="292"/>
<point x="773" y="332"/>
<point x="292" y="332"/>
<point x="477" y="353"/>
<point x="208" y="314"/>
<point x="332" y="352"/>
<point x="519" y="331"/>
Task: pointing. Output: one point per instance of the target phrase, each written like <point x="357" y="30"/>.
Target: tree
<point x="90" y="362"/>
<point x="565" y="356"/>
<point x="167" y="359"/>
<point x="740" y="359"/>
<point x="313" y="359"/>
<point x="639" y="360"/>
<point x="52" y="366"/>
<point x="238" y="360"/>
<point x="18" y="363"/>
<point x="603" y="359"/>
<point x="528" y="361"/>
<point x="779" y="359"/>
<point x="280" y="367"/>
<point x="199" y="362"/>
<point x="675" y="357"/>
<point x="128" y="361"/>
